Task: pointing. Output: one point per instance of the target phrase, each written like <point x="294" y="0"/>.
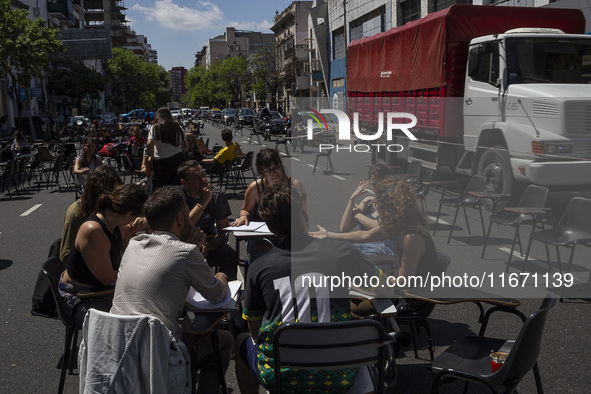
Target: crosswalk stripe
<point x="27" y="212"/>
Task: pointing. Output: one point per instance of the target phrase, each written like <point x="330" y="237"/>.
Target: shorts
<point x="248" y="352"/>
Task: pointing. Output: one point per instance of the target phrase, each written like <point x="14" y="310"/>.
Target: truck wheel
<point x="495" y="166"/>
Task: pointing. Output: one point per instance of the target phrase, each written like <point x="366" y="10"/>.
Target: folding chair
<point x="328" y="160"/>
<point x="468" y="359"/>
<point x="246" y="165"/>
<point x="413" y="170"/>
<point x="573" y="228"/>
<point x="424" y="188"/>
<point x="53" y="269"/>
<point x="330" y="346"/>
<point x="533" y="197"/>
<point x="466" y="199"/>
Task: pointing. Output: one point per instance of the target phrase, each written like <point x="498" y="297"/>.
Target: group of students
<point x="154" y="248"/>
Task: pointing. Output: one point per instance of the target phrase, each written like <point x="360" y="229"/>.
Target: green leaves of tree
<point x="138" y="83"/>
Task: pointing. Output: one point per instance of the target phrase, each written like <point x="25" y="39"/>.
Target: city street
<point x="31" y="346"/>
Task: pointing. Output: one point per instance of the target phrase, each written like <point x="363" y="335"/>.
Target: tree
<point x="263" y="65"/>
<point x="25" y="47"/>
<point x="137" y="83"/>
<point x="77" y="83"/>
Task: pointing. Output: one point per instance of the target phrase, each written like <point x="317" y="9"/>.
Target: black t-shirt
<point x="217" y="209"/>
<point x="283" y="287"/>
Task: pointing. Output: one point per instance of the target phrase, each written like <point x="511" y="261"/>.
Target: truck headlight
<point x="559" y="148"/>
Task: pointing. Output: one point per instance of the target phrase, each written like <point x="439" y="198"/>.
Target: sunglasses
<point x="271" y="171"/>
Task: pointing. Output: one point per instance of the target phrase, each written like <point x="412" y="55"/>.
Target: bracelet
<point x="200" y="207"/>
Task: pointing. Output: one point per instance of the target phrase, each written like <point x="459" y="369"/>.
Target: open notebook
<point x="196" y="299"/>
<point x="259" y="227"/>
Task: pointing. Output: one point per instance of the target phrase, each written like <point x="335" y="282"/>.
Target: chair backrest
<point x="577" y="218"/>
<point x="135" y="352"/>
<point x="247" y="162"/>
<point x="57" y="165"/>
<point x="534" y="197"/>
<point x="526" y="349"/>
<point x="424" y="189"/>
<point x="476" y="184"/>
<point x="414" y="167"/>
<point x="70" y="162"/>
<point x="127" y="164"/>
<point x="9" y="169"/>
<point x="53" y="268"/>
<point x="326" y="346"/>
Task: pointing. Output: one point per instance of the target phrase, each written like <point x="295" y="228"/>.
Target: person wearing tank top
<point x="271" y="171"/>
<point x="401" y="220"/>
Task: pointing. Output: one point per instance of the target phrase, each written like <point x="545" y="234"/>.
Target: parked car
<point x="228" y="115"/>
<point x="109" y="119"/>
<point x="215" y="114"/>
<point x="75" y="121"/>
<point x="244" y="116"/>
<point x="275" y="125"/>
<point x="176" y="114"/>
<point x="136" y="114"/>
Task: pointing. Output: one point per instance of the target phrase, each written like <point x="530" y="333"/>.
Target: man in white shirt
<point x="158" y="269"/>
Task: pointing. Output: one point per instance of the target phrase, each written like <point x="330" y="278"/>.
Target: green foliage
<point x="264" y="70"/>
<point x="137" y="83"/>
<point x="223" y="83"/>
<point x="77" y="83"/>
<point x="25" y="45"/>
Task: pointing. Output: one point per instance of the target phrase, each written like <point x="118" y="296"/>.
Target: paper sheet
<point x="252" y="226"/>
<point x="198" y="301"/>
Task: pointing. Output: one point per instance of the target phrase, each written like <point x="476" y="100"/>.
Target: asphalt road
<point x="31" y="346"/>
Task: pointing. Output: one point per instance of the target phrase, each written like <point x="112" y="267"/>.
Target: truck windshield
<point x="548" y="60"/>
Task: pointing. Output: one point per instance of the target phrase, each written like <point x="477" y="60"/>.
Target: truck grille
<point x="545" y="109"/>
<point x="578" y="117"/>
<point x="582" y="149"/>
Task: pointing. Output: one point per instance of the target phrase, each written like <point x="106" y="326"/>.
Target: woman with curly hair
<point x="401" y="219"/>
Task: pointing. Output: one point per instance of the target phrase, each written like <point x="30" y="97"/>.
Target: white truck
<point x="500" y="91"/>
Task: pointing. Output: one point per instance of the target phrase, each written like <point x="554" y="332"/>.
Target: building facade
<point x="176" y="77"/>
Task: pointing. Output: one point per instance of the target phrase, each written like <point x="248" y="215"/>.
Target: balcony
<point x="61" y="10"/>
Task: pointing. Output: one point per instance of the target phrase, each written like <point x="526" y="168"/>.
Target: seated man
<point x="229" y="152"/>
<point x="158" y="269"/>
<point x="209" y="211"/>
<point x="272" y="283"/>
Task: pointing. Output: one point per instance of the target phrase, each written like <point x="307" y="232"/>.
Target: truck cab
<point x="526" y="103"/>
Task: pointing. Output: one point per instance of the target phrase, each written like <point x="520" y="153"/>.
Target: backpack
<point x="105" y="152"/>
<point x="42" y="302"/>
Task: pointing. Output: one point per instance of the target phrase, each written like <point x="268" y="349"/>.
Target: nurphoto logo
<point x="392" y="120"/>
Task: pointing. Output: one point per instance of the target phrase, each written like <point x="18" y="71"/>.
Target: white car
<point x="176" y="114"/>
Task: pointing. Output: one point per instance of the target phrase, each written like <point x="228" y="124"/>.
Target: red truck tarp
<point x="431" y="52"/>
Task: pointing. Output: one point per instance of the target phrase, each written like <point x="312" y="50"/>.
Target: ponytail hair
<point x="125" y="198"/>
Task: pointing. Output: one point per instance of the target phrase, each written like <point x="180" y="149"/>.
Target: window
<point x="338" y="44"/>
<point x="443" y="4"/>
<point x="411" y="10"/>
<point x="484" y="63"/>
<point x="338" y="83"/>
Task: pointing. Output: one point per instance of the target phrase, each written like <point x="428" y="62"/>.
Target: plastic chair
<point x="53" y="269"/>
<point x="573" y="228"/>
<point x="54" y="171"/>
<point x="246" y="165"/>
<point x="328" y="159"/>
<point x="476" y="184"/>
<point x="533" y="197"/>
<point x="418" y="318"/>
<point x="68" y="168"/>
<point x="468" y="359"/>
<point x="8" y="176"/>
<point x="424" y="188"/>
<point x="329" y="346"/>
<point x="413" y="171"/>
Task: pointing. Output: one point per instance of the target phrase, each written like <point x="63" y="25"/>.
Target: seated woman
<point x="135" y="146"/>
<point x="87" y="161"/>
<point x="94" y="260"/>
<point x="193" y="152"/>
<point x="365" y="215"/>
<point x="401" y="220"/>
<point x="20" y="143"/>
<point x="272" y="172"/>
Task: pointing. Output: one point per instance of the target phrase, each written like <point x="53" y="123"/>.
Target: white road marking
<point x="27" y="212"/>
<point x="434" y="219"/>
<point x="310" y="165"/>
<point x="296" y="159"/>
<point x="517" y="255"/>
<point x="339" y="177"/>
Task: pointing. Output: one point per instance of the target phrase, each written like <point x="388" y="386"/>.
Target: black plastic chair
<point x="468" y="359"/>
<point x="8" y="176"/>
<point x="53" y="269"/>
<point x="329" y="346"/>
<point x="424" y="188"/>
<point x="418" y="318"/>
<point x="55" y="170"/>
<point x="533" y="197"/>
<point x="466" y="199"/>
<point x="573" y="228"/>
<point x="328" y="159"/>
<point x="413" y="171"/>
<point x="240" y="169"/>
